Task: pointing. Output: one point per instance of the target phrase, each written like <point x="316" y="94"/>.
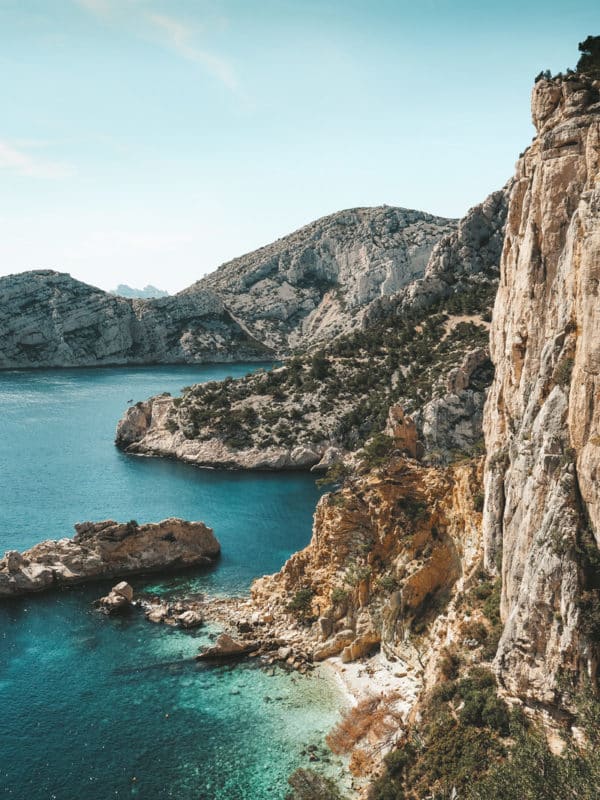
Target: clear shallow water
<point x="84" y="698"/>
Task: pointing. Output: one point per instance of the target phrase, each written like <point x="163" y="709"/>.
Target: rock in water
<point x="118" y="599"/>
<point x="106" y="550"/>
<point x="226" y="648"/>
<point x="190" y="619"/>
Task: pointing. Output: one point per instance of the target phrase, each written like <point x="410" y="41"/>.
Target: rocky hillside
<point x="467" y="610"/>
<point x="313" y="284"/>
<point x="542" y="420"/>
<point x="302" y="288"/>
<point x="424" y="349"/>
<point x="47" y="319"/>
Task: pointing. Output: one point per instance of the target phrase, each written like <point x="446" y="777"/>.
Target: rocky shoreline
<point x="107" y="549"/>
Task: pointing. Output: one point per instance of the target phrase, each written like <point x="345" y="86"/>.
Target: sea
<point x="95" y="707"/>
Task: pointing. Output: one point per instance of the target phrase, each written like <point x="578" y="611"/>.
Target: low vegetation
<point x="340" y="394"/>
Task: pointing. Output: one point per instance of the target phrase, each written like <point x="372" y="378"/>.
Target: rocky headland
<point x="424" y="349"/>
<point x="48" y="319"/>
<point x="304" y="287"/>
<point x="107" y="550"/>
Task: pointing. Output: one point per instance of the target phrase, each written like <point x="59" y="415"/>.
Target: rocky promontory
<point x="328" y="401"/>
<point x="107" y="550"/>
<point x="305" y="287"/>
<point x="48" y="319"/>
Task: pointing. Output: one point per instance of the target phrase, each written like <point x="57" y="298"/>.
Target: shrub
<point x="377" y="450"/>
<point x="336" y="474"/>
<point x="589" y="61"/>
<point x="301" y="602"/>
<point x="339" y="596"/>
<point x="475" y="630"/>
<point x="387" y="583"/>
<point x="308" y="785"/>
<point x="449" y="663"/>
<point x="562" y="374"/>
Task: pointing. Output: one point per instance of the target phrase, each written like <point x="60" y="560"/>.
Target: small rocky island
<point x="107" y="549"/>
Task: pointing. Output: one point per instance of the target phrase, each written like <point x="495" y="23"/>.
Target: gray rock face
<point x="310" y="285"/>
<point x="470" y="252"/>
<point x="308" y="425"/>
<point x="107" y="550"/>
<point x="47" y="319"/>
<point x="452" y="424"/>
<point x="300" y="289"/>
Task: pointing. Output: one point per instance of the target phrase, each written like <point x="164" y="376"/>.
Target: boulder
<point x="123" y="589"/>
<point x="118" y="599"/>
<point x="190" y="619"/>
<point x="226" y="648"/>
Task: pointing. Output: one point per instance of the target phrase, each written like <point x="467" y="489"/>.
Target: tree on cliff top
<point x="589" y="62"/>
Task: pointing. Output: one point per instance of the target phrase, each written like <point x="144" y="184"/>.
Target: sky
<point x="148" y="141"/>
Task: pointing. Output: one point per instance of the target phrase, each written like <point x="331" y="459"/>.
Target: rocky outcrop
<point x="313" y="284"/>
<point x="107" y="550"/>
<point x="298" y="290"/>
<point x="542" y="417"/>
<point x="117" y="600"/>
<point x="408" y="353"/>
<point x="226" y="649"/>
<point x="470" y="254"/>
<point x="48" y="319"/>
<point x="450" y="425"/>
<point x="390" y="555"/>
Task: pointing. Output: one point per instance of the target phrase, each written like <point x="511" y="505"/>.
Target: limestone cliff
<point x="542" y="418"/>
<point x="390" y="554"/>
<point x="47" y="319"/>
<point x="302" y="288"/>
<point x="107" y="550"/>
<point x="314" y="283"/>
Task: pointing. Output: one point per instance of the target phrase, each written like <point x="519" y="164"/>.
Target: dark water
<point x="88" y="703"/>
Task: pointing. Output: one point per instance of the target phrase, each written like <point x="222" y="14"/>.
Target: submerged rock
<point x="106" y="550"/>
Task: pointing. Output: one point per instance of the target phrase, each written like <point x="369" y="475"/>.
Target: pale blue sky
<point x="150" y="140"/>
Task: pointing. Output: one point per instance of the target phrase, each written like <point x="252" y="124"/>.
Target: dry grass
<point x="374" y="717"/>
<point x="361" y="763"/>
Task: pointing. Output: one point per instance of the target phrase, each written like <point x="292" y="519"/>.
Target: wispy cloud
<point x="181" y="38"/>
<point x="20" y="162"/>
<point x="169" y="31"/>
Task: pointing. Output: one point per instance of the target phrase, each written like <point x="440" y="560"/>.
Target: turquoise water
<point x="88" y="703"/>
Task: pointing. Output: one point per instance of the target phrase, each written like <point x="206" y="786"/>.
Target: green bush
<point x="301" y="602"/>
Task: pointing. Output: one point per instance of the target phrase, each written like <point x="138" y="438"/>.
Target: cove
<point x="98" y="708"/>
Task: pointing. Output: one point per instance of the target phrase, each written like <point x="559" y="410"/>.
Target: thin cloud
<point x="179" y="36"/>
<point x="20" y="162"/>
<point x="170" y="32"/>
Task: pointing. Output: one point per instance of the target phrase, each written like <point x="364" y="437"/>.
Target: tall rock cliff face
<point x="542" y="418"/>
<point x="48" y="319"/>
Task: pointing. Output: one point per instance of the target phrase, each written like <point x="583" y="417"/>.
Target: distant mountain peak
<point x="148" y="292"/>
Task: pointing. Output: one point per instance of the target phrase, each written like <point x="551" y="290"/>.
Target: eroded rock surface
<point x="106" y="550"/>
<point x="542" y="418"/>
<point x="48" y="319"/>
<point x="302" y="288"/>
<point x="313" y="284"/>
